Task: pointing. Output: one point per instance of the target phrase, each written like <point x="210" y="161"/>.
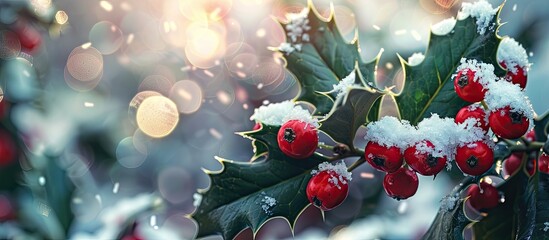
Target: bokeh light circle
<point x="157" y="83"/>
<point x="175" y="184"/>
<point x="187" y="95"/>
<point x="128" y="155"/>
<point x="106" y="37"/>
<point x="157" y="116"/>
<point x="84" y="68"/>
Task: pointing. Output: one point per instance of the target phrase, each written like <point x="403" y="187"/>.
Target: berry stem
<point x="484" y="105"/>
<point x="325" y="146"/>
<point x="358" y="162"/>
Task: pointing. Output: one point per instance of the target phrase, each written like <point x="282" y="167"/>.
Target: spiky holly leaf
<point x="450" y="219"/>
<point x="541" y="222"/>
<point x="240" y="195"/>
<point x="429" y="86"/>
<point x="349" y="112"/>
<point x="320" y="60"/>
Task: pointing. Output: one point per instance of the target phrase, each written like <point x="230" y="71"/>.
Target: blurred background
<point x="110" y="109"/>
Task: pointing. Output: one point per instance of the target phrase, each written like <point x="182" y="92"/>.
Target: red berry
<point x="401" y="184"/>
<point x="424" y="163"/>
<point x="387" y="159"/>
<point x="297" y="139"/>
<point x="472" y="112"/>
<point x="508" y="124"/>
<point x="257" y="126"/>
<point x="519" y="78"/>
<point x="327" y="190"/>
<point x="467" y="88"/>
<point x="543" y="163"/>
<point x="484" y="197"/>
<point x="530" y="135"/>
<point x="511" y="164"/>
<point x="8" y="150"/>
<point x="474" y="158"/>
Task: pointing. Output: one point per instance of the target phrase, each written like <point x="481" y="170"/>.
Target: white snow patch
<point x="344" y="84"/>
<point x="197" y="199"/>
<point x="338" y="173"/>
<point x="546" y="228"/>
<point x="267" y="203"/>
<point x="276" y="114"/>
<point x="513" y="54"/>
<point x="482" y="11"/>
<point x="484" y="73"/>
<point x="416" y="59"/>
<point x="389" y="131"/>
<point x="296" y="30"/>
<point x="449" y="202"/>
<point x="444" y="27"/>
<point x="502" y="93"/>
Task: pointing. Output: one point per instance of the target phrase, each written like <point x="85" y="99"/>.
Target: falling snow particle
<point x="42" y="181"/>
<point x="115" y="188"/>
<point x="546" y="228"/>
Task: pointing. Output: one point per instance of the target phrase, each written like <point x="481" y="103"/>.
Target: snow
<point x="482" y="11"/>
<point x="484" y="73"/>
<point x="344" y="84"/>
<point x="338" y="173"/>
<point x="546" y="228"/>
<point x="444" y="27"/>
<point x="448" y="203"/>
<point x="276" y="114"/>
<point x="267" y="203"/>
<point x="513" y="54"/>
<point x="197" y="199"/>
<point x="389" y="131"/>
<point x="416" y="59"/>
<point x="502" y="93"/>
<point x="296" y="30"/>
<point x="443" y="133"/>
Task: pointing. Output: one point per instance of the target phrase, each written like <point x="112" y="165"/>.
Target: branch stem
<point x="358" y="162"/>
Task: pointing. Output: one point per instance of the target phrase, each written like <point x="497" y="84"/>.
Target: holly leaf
<point x="428" y="86"/>
<point x="541" y="222"/>
<point x="448" y="224"/>
<point x="324" y="60"/>
<point x="349" y="113"/>
<point x="541" y="127"/>
<point x="241" y="193"/>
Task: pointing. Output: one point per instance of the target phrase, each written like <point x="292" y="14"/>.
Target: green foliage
<point x="429" y="87"/>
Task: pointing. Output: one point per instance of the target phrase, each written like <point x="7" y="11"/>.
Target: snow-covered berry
<point x="419" y="158"/>
<point x="483" y="197"/>
<point x="297" y="139"/>
<point x="467" y="87"/>
<point x="387" y="159"/>
<point x="401" y="184"/>
<point x="473" y="111"/>
<point x="518" y="77"/>
<point x="507" y="123"/>
<point x="474" y="158"/>
<point x="327" y="189"/>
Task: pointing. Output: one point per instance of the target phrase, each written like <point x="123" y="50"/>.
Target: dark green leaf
<point x="348" y="114"/>
<point x="324" y="60"/>
<point x="540" y="227"/>
<point x="428" y="87"/>
<point x="234" y="200"/>
<point x="541" y="127"/>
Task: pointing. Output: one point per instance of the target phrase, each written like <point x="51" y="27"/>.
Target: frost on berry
<point x="276" y="114"/>
<point x="444" y="27"/>
<point x="416" y="59"/>
<point x="484" y="73"/>
<point x="344" y="84"/>
<point x="482" y="11"/>
<point x="503" y="94"/>
<point x="296" y="31"/>
<point x="513" y="55"/>
<point x="340" y="170"/>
